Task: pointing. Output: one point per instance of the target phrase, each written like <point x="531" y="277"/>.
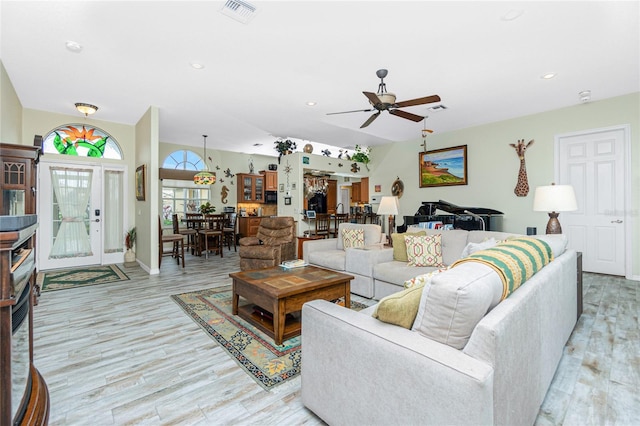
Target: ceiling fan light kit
<point x="386" y="101"/>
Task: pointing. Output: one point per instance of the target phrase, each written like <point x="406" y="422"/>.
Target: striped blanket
<point x="515" y="260"/>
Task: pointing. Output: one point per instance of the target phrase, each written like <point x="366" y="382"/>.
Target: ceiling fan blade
<point x="418" y="101"/>
<point x="373" y="98"/>
<point x="347" y="112"/>
<point x="370" y="120"/>
<point x="407" y="115"/>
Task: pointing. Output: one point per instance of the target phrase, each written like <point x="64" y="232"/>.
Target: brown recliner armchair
<point x="274" y="243"/>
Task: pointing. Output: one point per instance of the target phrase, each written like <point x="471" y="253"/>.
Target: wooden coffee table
<point x="282" y="291"/>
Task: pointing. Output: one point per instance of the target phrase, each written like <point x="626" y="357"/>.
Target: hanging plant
<point x="284" y="147"/>
<point x="362" y="155"/>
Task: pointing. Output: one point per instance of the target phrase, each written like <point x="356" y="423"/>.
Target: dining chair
<point x="212" y="230"/>
<point x="177" y="245"/>
<point x="337" y="220"/>
<point x="189" y="233"/>
<point x="230" y="230"/>
<point x="322" y="225"/>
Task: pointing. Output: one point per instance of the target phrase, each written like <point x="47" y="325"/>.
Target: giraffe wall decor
<point x="522" y="187"/>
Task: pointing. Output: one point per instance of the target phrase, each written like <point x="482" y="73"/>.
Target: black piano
<point x="468" y="218"/>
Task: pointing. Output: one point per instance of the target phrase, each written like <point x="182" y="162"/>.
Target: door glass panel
<point x="111" y="214"/>
<point x="71" y="203"/>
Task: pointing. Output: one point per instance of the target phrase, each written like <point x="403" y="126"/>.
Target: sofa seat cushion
<point x="400" y="308"/>
<point x="330" y="259"/>
<point x="397" y="273"/>
<point x="455" y="301"/>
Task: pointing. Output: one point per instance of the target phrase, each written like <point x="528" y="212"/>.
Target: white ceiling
<point x="259" y="76"/>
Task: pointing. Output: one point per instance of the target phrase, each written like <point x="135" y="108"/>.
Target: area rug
<point x="79" y="277"/>
<point x="267" y="363"/>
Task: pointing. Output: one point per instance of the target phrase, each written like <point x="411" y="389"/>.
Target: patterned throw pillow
<point x="352" y="238"/>
<point x="422" y="279"/>
<point x="424" y="250"/>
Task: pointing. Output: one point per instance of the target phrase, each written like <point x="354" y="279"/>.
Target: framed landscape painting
<point x="140" y="183"/>
<point x="443" y="167"/>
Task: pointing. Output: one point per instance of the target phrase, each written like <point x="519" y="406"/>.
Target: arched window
<point x="183" y="160"/>
<point x="81" y="141"/>
<point x="182" y="196"/>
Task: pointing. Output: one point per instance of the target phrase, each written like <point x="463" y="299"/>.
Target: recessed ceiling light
<point x="548" y="76"/>
<point x="311" y="103"/>
<point x="196" y="65"/>
<point x="73" y="46"/>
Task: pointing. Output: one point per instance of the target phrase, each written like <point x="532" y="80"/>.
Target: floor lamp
<point x="389" y="206"/>
<point x="554" y="199"/>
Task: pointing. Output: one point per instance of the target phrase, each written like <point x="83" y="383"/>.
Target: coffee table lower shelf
<point x="292" y="325"/>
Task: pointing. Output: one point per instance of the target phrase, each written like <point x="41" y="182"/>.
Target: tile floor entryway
<point x="125" y="353"/>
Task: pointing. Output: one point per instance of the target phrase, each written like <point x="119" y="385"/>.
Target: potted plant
<point x="207" y="208"/>
<point x="129" y="242"/>
<point x="362" y="155"/>
<point x="284" y="147"/>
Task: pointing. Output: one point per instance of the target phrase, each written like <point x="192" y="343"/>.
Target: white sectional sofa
<point x="330" y="253"/>
<point x="357" y="369"/>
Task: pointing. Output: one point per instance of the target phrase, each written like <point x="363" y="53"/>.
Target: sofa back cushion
<point x="455" y="301"/>
<point x="400" y="247"/>
<point x="372" y="233"/>
<point x="424" y="250"/>
<point x="453" y="242"/>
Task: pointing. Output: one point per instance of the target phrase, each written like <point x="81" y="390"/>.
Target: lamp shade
<point x="388" y="205"/>
<point x="555" y="198"/>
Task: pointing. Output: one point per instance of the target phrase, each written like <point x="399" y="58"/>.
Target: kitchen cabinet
<point x="332" y="196"/>
<point x="270" y="180"/>
<point x="250" y="188"/>
<point x="248" y="225"/>
<point x="360" y="191"/>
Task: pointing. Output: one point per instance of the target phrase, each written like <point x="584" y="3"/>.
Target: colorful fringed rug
<point x="79" y="277"/>
<point x="267" y="363"/>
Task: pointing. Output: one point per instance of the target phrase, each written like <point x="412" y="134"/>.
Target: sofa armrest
<point x="362" y="260"/>
<point x="318" y="245"/>
<point x="358" y="370"/>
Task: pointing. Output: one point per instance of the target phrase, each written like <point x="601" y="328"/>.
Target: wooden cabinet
<point x="18" y="179"/>
<point x="332" y="196"/>
<point x="360" y="191"/>
<point x="270" y="180"/>
<point x="248" y="226"/>
<point x="24" y="397"/>
<point x="250" y="188"/>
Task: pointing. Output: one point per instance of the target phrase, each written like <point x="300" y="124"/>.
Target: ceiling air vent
<point x="239" y="10"/>
<point x="438" y="108"/>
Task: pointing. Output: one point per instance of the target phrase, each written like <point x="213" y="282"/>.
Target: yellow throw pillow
<point x="400" y="308"/>
<point x="424" y="250"/>
<point x="352" y="238"/>
<point x="400" y="247"/>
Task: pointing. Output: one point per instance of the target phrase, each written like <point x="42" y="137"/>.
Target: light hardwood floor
<point x="125" y="353"/>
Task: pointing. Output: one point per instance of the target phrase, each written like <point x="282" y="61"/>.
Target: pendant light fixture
<point x="204" y="177"/>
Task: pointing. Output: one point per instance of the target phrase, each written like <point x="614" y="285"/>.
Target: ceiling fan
<point x="385" y="101"/>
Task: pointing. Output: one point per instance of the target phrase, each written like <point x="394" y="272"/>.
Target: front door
<point x="594" y="164"/>
<point x="81" y="215"/>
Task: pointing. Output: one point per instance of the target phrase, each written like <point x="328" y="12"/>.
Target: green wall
<point x="10" y="110"/>
<point x="493" y="165"/>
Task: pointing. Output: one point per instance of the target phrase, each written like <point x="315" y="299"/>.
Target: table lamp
<point x="554" y="199"/>
<point x="389" y="206"/>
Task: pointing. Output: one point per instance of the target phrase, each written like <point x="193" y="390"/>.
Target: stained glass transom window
<point x="81" y="141"/>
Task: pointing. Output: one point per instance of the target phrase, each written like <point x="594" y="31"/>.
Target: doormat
<point x="255" y="352"/>
<point x="79" y="277"/>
